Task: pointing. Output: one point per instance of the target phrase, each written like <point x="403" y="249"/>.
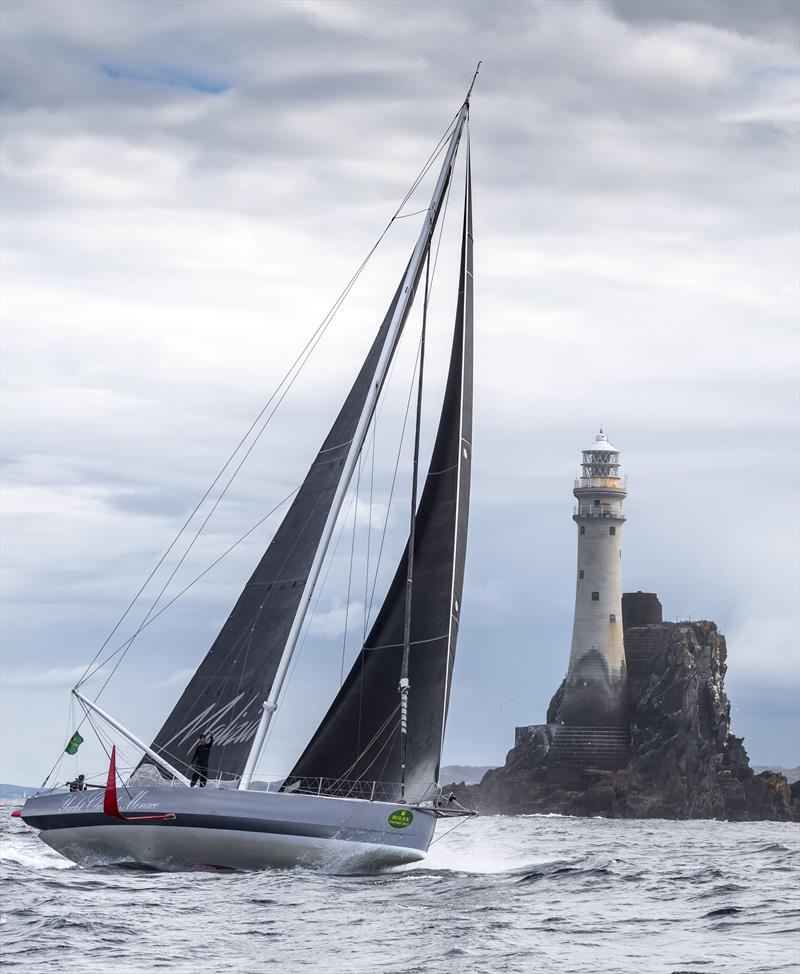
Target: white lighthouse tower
<point x="593" y="726"/>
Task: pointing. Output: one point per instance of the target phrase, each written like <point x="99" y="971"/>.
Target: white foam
<point x="28" y="851"/>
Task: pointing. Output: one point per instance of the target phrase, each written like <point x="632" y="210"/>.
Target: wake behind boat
<point x="366" y="787"/>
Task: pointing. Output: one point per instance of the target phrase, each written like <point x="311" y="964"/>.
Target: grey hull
<point x="229" y="829"/>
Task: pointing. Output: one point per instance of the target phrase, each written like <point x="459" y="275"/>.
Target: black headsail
<point x="358" y="740"/>
<point x="226" y="694"/>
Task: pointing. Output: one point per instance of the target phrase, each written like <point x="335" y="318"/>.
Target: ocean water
<point x="539" y="894"/>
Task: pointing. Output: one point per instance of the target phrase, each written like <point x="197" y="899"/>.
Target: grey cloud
<point x="158" y="503"/>
<point x="167" y="250"/>
<point x="776" y="19"/>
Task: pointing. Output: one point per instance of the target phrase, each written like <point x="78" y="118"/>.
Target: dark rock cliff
<point x="684" y="763"/>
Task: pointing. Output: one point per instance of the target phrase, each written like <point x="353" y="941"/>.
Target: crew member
<point x="199" y="762"/>
<point x="81" y="784"/>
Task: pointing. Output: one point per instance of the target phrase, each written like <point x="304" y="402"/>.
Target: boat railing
<point x="388" y="791"/>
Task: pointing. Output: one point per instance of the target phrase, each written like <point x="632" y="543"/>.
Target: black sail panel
<point x="358" y="740"/>
<point x="225" y="695"/>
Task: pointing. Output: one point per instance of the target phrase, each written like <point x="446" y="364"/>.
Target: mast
<point x="402" y="308"/>
<point x="404" y="686"/>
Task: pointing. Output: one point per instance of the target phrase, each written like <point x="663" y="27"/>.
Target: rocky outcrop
<point x="684" y="760"/>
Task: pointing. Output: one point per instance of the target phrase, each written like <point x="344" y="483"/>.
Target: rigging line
<point x="404" y="686"/>
<point x="108" y="755"/>
<point x="429" y="162"/>
<point x="347" y="602"/>
<point x="368" y="745"/>
<point x="202" y="526"/>
<point x="369" y="531"/>
<point x="386" y="746"/>
<point x="59" y="759"/>
<point x="352" y="552"/>
<point x="368" y="607"/>
<point x="441" y="231"/>
<point x="408" y="404"/>
<point x="394" y="479"/>
<point x="457" y="825"/>
<point x="193" y="582"/>
<point x="320" y="330"/>
<point x="405" y="216"/>
<point x="388" y="754"/>
<point x="57" y="763"/>
<point x="207" y="519"/>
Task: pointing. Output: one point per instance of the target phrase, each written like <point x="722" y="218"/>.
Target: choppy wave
<point x="544" y="894"/>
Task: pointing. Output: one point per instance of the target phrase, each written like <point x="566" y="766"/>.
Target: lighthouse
<point x="593" y="727"/>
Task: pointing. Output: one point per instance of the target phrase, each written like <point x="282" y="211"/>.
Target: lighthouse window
<point x="597" y="503"/>
<point x="612" y="530"/>
<point x="580" y="573"/>
<point x="583" y="529"/>
<point x="595" y="596"/>
<point x="612" y="617"/>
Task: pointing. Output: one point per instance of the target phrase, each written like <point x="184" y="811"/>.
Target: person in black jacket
<point x="199" y="762"/>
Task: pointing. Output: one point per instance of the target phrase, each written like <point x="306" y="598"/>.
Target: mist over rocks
<point x="685" y="762"/>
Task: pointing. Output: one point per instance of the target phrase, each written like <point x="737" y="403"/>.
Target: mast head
<point x="472" y="85"/>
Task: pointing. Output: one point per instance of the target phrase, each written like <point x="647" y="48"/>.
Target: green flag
<point x="74" y="743"/>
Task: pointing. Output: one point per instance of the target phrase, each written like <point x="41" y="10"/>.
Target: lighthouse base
<point x="555" y="745"/>
<point x="588" y="747"/>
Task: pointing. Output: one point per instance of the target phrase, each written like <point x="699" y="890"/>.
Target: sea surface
<point x="540" y="894"/>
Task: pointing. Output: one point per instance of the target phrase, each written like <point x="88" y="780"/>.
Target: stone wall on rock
<point x="641" y="609"/>
<point x="685" y="761"/>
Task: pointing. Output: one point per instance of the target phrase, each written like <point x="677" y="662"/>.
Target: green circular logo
<point x="401" y="819"/>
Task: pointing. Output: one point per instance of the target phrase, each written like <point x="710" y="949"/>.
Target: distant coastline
<point x="791" y="774"/>
<point x="470" y="774"/>
<point x="16" y="791"/>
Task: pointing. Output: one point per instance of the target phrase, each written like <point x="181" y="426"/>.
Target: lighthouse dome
<point x="601" y="444"/>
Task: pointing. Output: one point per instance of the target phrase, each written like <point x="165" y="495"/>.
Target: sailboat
<point x="366" y="787"/>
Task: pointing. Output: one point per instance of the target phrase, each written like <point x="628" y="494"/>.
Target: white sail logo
<point x="237" y="729"/>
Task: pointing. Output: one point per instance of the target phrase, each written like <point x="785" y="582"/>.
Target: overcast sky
<point x="188" y="186"/>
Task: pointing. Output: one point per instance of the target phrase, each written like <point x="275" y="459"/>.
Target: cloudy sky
<point x="188" y="186"/>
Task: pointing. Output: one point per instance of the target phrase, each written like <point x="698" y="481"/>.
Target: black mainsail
<point x="358" y="742"/>
<point x="226" y="695"/>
